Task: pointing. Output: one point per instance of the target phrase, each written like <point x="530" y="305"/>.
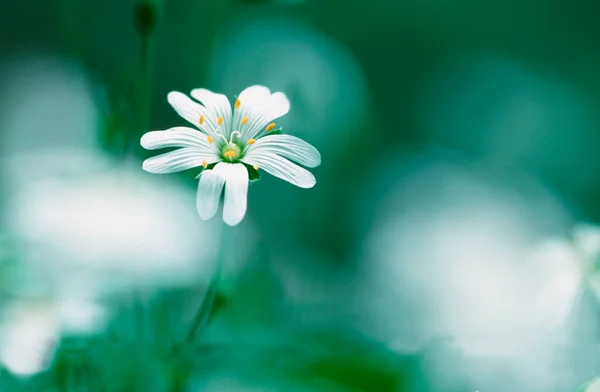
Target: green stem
<point x="203" y="312"/>
<point x="206" y="306"/>
<point x="138" y="311"/>
<point x="70" y="381"/>
<point x="143" y="93"/>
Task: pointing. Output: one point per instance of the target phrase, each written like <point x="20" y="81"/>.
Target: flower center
<point x="231" y="152"/>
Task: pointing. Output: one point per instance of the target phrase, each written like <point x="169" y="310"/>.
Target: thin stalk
<point x="146" y="70"/>
<point x="143" y="93"/>
<point x="206" y="307"/>
<point x="71" y="376"/>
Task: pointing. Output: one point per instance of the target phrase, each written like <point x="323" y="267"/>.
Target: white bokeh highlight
<point x="457" y="256"/>
<point x="112" y="226"/>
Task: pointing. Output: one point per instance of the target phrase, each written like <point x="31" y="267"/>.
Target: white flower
<point x="30" y="331"/>
<point x="28" y="336"/>
<point x="113" y="233"/>
<point x="240" y="141"/>
<point x="593" y="386"/>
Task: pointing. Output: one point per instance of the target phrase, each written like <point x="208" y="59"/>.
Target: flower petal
<point x="178" y="160"/>
<point x="192" y="112"/>
<point x="252" y="101"/>
<point x="289" y="147"/>
<point x="209" y="193"/>
<point x="254" y="97"/>
<point x="175" y="137"/>
<point x="217" y="105"/>
<point x="280" y="167"/>
<point x="275" y="106"/>
<point x="236" y="191"/>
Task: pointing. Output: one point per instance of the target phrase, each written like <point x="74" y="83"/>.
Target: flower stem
<point x="203" y="313"/>
<point x="143" y="100"/>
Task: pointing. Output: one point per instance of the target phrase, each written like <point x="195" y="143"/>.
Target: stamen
<point x="244" y="120"/>
<point x="270" y="127"/>
<point x="255" y="167"/>
<point x="234" y="133"/>
<point x="210" y="139"/>
<point x="201" y="121"/>
<point x="238" y="103"/>
<point x="217" y="133"/>
<point x="229" y="154"/>
<point x="204" y="164"/>
<point x="220" y="120"/>
<point x="251" y="141"/>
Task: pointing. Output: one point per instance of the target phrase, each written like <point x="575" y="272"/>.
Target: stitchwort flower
<point x="232" y="145"/>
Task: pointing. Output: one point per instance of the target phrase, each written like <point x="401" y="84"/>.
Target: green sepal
<point x="253" y="174"/>
<point x="277" y="131"/>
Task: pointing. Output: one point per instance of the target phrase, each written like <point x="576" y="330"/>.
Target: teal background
<point x="507" y="89"/>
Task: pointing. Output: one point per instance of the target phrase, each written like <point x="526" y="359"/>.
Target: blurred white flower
<point x="240" y="143"/>
<point x="594" y="385"/>
<point x="30" y="331"/>
<point x="586" y="239"/>
<point x="80" y="218"/>
<point x="28" y="339"/>
<point x="80" y="316"/>
<point x="554" y="262"/>
<point x="455" y="256"/>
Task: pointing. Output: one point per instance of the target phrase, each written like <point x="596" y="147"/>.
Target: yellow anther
<point x="229" y="154"/>
<point x="244" y="120"/>
<point x="255" y="167"/>
<point x="270" y="127"/>
<point x="220" y="120"/>
<point x="251" y="141"/>
<point x="204" y="164"/>
<point x="238" y="103"/>
<point x="210" y="139"/>
<point x="201" y="121"/>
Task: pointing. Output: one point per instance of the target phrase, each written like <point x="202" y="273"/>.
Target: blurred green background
<point x="450" y="243"/>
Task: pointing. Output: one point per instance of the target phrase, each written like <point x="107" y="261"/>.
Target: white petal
<point x="176" y="137"/>
<point x="277" y="106"/>
<point x="192" y="111"/>
<point x="217" y="104"/>
<point x="178" y="160"/>
<point x="273" y="107"/>
<point x="209" y="193"/>
<point x="236" y="191"/>
<point x="281" y="167"/>
<point x="254" y="98"/>
<point x="289" y="147"/>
